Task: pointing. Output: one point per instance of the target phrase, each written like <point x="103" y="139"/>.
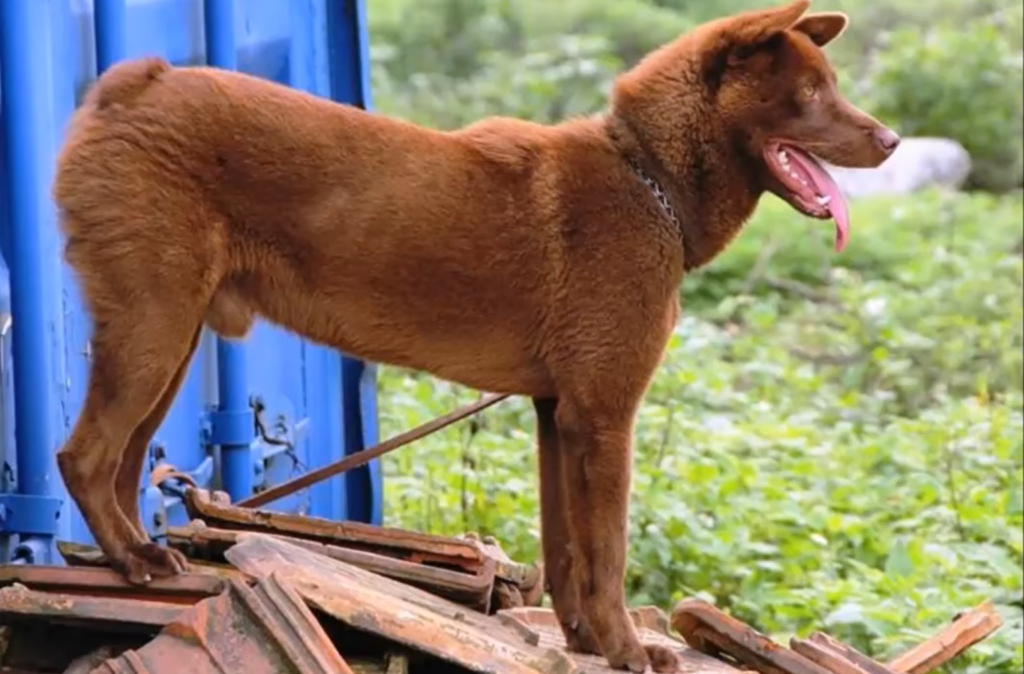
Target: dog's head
<point x="759" y="86"/>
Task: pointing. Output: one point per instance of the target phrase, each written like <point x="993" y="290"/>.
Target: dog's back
<point x="247" y="198"/>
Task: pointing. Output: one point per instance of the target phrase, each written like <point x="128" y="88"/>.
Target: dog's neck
<point x="661" y="196"/>
<point x="708" y="212"/>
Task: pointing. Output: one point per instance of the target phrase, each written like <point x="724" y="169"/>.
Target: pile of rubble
<point x="273" y="593"/>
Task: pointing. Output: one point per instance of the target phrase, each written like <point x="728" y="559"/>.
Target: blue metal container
<point x="314" y="404"/>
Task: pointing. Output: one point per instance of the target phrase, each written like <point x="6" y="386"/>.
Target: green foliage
<point x="842" y="452"/>
<point x="962" y="82"/>
<point x="554" y="78"/>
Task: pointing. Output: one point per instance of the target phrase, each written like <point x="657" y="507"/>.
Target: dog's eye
<point x="810" y="92"/>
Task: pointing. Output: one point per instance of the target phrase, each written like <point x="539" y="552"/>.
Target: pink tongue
<point x="841" y="214"/>
<point x="825" y="186"/>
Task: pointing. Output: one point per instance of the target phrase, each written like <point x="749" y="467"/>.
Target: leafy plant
<point x="961" y="82"/>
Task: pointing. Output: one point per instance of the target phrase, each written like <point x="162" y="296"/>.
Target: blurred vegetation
<point x="953" y="81"/>
<point x="832" y="441"/>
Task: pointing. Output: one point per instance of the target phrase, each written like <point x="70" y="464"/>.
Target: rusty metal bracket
<point x="367" y="455"/>
<point x="711" y="631"/>
<point x="167" y="471"/>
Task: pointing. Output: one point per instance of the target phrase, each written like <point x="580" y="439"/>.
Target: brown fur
<point x="507" y="256"/>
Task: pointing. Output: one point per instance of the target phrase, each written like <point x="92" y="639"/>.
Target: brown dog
<point x="507" y="256"/>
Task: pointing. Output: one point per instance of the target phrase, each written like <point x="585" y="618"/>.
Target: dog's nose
<point x="887" y="139"/>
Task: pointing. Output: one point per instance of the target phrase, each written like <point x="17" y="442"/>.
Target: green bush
<point x="555" y="78"/>
<point x="840" y="452"/>
<point x="961" y="82"/>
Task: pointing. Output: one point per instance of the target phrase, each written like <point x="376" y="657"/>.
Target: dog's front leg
<point x="555" y="533"/>
<point x="596" y="450"/>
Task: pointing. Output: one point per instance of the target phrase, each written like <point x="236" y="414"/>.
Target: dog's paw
<point x="147" y="561"/>
<point x="579" y="639"/>
<point x="663" y="659"/>
<point x="630" y="657"/>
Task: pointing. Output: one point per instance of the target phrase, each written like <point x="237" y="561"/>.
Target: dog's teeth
<point x="824" y="200"/>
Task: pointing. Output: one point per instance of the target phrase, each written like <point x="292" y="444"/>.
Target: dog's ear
<point x="735" y="39"/>
<point x="746" y="33"/>
<point x="823" y="27"/>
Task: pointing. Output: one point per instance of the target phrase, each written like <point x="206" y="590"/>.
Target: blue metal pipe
<point x="219" y="22"/>
<point x="350" y="83"/>
<point x="24" y="59"/>
<point x="110" y="20"/>
<point x="235" y="425"/>
<point x="234" y="422"/>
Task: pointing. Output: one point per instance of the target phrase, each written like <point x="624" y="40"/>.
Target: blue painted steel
<point x="233" y="422"/>
<point x="318" y="405"/>
<point x="350" y="83"/>
<point x="30" y="515"/>
<point x="365" y="499"/>
<point x="26" y="175"/>
<point x="111" y="27"/>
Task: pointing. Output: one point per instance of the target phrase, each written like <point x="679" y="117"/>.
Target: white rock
<point x="917" y="164"/>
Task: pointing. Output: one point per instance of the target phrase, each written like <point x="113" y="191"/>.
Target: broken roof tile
<point x="397" y="612"/>
<point x="48" y="632"/>
<point x="76" y="554"/>
<point x="19" y="603"/>
<point x="468" y="554"/>
<point x="266" y="629"/>
<point x="470" y="589"/>
<point x="100" y="582"/>
<point x="540" y="626"/>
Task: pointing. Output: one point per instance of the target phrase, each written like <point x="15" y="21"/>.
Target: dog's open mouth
<point x="809" y="186"/>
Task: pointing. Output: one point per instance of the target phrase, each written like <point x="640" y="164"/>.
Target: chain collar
<point x="660" y="196"/>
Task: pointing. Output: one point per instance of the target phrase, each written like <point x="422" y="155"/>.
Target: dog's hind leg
<point x="135" y="357"/>
<point x="147" y="299"/>
<point x="127" y="485"/>
<point x="555" y="534"/>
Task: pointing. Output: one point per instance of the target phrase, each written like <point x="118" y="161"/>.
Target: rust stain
<point x="265" y="629"/>
<point x="395" y="611"/>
